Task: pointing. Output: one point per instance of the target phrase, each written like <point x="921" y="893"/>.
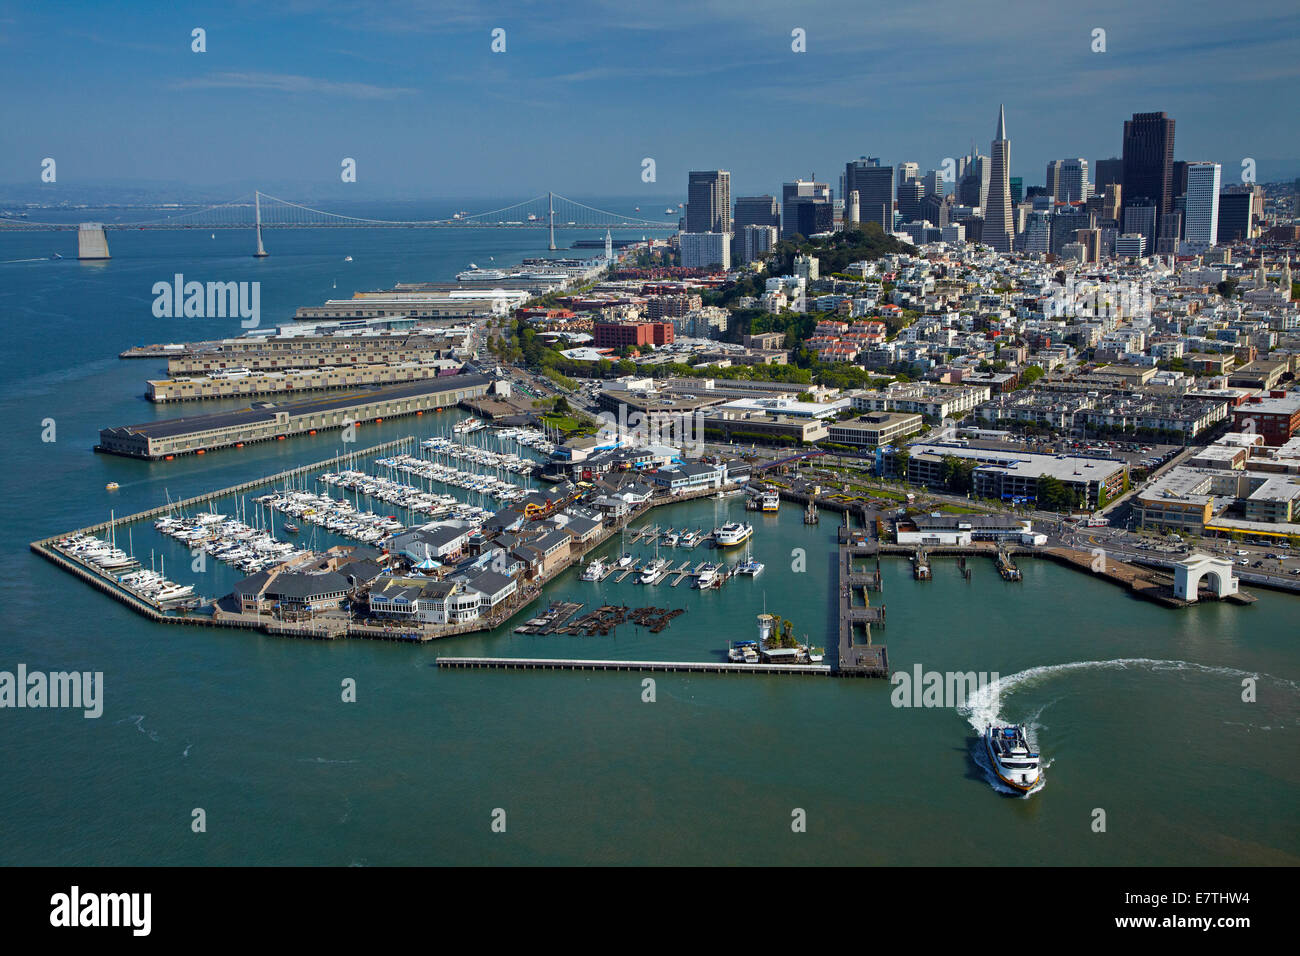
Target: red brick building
<point x="613" y="335"/>
<point x="1276" y="418"/>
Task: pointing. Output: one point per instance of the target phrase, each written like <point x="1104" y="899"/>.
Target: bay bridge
<point x="260" y="211"/>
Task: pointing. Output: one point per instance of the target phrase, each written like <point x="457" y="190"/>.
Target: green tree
<point x="1053" y="495"/>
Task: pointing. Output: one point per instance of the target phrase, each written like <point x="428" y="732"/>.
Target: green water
<point x="253" y="730"/>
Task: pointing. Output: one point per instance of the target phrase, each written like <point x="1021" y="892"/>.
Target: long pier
<point x="571" y="664"/>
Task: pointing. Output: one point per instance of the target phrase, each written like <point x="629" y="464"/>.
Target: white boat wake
<point x="985" y="706"/>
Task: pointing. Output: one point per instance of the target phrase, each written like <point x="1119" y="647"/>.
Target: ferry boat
<point x="595" y="571"/>
<point x="733" y="533"/>
<point x="769" y="501"/>
<point x="1015" y="763"/>
<point x="468" y="425"/>
<point x="708" y="577"/>
<point x="652" y="570"/>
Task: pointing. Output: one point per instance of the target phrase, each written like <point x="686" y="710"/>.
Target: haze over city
<point x="583" y="92"/>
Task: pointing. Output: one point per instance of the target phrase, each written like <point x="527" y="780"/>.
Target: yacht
<point x="653" y="570"/>
<point x="671" y="539"/>
<point x="733" y="533"/>
<point x="595" y="571"/>
<point x="173" y="592"/>
<point x="1014" y="761"/>
<point x="708" y="576"/>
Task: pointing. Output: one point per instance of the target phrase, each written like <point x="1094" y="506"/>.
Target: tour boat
<point x="769" y="501"/>
<point x="1015" y="763"/>
<point x="732" y="533"/>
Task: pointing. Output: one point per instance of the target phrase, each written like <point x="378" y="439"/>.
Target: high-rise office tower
<point x="875" y="187"/>
<point x="934" y="209"/>
<point x="973" y="187"/>
<point x="757" y="211"/>
<point x="997" y="215"/>
<point x="1149" y="160"/>
<point x="1053" y="178"/>
<point x="934" y="183"/>
<point x="752" y="211"/>
<point x="1202" y="229"/>
<point x="708" y="199"/>
<point x="1108" y="172"/>
<point x="1072" y="181"/>
<point x="795" y="193"/>
<point x="1237" y="213"/>
<point x="1017" y="188"/>
<point x="1171" y="230"/>
<point x="907" y="171"/>
<point x="910" y="194"/>
<point x="1140" y="218"/>
<point x="1178" y="182"/>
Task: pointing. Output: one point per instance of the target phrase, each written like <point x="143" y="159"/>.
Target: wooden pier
<point x="855" y="659"/>
<point x="569" y="664"/>
<point x="921" y="565"/>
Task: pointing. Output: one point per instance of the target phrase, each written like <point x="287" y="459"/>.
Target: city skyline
<point x="285" y="97"/>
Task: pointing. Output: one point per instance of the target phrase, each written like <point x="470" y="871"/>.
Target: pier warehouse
<point x="267" y="421"/>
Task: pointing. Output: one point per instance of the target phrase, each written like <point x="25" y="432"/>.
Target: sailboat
<point x="625" y="558"/>
<point x="749" y="565"/>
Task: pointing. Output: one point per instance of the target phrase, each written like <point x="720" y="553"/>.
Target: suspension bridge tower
<point x="550" y="218"/>
<point x="261" y="252"/>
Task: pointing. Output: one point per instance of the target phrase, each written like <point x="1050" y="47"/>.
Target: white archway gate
<point x="1189" y="573"/>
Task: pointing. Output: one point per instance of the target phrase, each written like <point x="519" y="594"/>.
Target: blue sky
<point x="586" y="89"/>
